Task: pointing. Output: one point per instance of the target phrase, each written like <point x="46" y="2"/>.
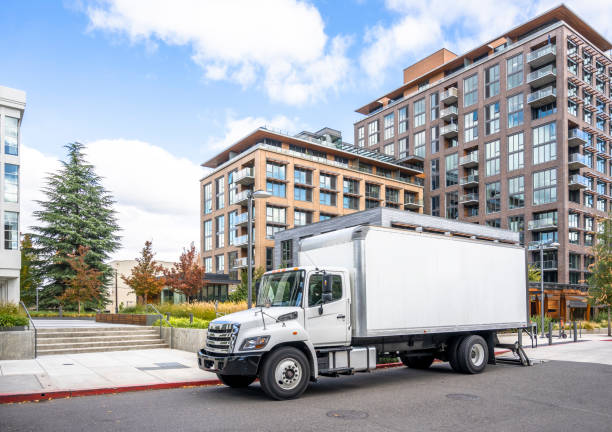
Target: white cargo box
<point x="407" y="282"/>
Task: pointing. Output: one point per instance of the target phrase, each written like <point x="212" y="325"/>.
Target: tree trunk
<point x="79" y="302"/>
<point x="609" y="327"/>
<point x="145" y="298"/>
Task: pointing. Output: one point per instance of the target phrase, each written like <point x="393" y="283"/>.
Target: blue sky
<point x="164" y="85"/>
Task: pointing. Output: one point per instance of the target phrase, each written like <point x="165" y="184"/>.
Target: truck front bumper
<point x="229" y="365"/>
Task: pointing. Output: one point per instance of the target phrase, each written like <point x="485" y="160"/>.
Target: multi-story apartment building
<point x="311" y="177"/>
<point x="513" y="134"/>
<point x="12" y="106"/>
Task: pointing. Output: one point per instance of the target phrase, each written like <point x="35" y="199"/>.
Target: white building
<point x="12" y="106"/>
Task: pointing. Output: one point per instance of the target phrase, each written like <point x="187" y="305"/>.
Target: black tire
<point x="453" y="360"/>
<point x="418" y="362"/>
<point x="472" y="354"/>
<point x="295" y="363"/>
<point x="236" y="381"/>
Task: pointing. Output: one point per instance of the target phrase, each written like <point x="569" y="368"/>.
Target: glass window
<point x="601" y="165"/>
<point x="351" y="186"/>
<point x="573" y="220"/>
<point x="492" y="118"/>
<point x="389" y="121"/>
<point x="515" y="110"/>
<point x="572" y="108"/>
<point x="435" y="174"/>
<point x="470" y="126"/>
<point x="601" y="204"/>
<point x="402" y="120"/>
<point x="286" y="253"/>
<point x="315" y="289"/>
<point x="493" y="195"/>
<point x="271" y="230"/>
<point x="11" y="232"/>
<point x="419" y="144"/>
<point x="403" y="148"/>
<point x="208" y="198"/>
<point x="543" y="111"/>
<point x="452" y="162"/>
<point x="327" y="198"/>
<point x="327" y="181"/>
<point x="435" y="139"/>
<point x="302" y="194"/>
<point x="435" y="206"/>
<point x="419" y="113"/>
<point x="372" y="190"/>
<point x="516" y="192"/>
<point x="220" y="193"/>
<point x="434" y="102"/>
<point x="220" y="263"/>
<point x="276" y="189"/>
<point x="324" y="217"/>
<point x="452" y="205"/>
<point x="208" y="264"/>
<point x="492" y="153"/>
<point x="373" y="133"/>
<point x="11" y="183"/>
<point x="470" y="90"/>
<point x="515" y="152"/>
<point x="517" y="224"/>
<point x="573" y="239"/>
<point x="350" y="202"/>
<point x="514" y="71"/>
<point x="233" y="230"/>
<point x="572" y="67"/>
<point x="492" y="81"/>
<point x="301" y="218"/>
<point x="544" y="143"/>
<point x="275" y="171"/>
<point x="276" y="215"/>
<point x="220" y="234"/>
<point x="389" y="149"/>
<point x="11" y="131"/>
<point x="495" y="223"/>
<point x="207" y="235"/>
<point x="361" y="136"/>
<point x="302" y="176"/>
<point x="545" y="186"/>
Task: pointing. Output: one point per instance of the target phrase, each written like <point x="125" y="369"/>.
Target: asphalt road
<point x="553" y="396"/>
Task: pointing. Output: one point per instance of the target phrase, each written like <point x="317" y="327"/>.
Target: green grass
<point x="184" y="323"/>
<point x="12" y="316"/>
<point x="202" y="310"/>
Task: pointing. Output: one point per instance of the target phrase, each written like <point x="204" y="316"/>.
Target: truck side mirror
<point x="326" y="291"/>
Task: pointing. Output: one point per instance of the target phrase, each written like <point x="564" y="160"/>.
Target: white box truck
<point x="369" y="291"/>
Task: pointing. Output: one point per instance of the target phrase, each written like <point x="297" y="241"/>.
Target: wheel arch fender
<point x="306" y="347"/>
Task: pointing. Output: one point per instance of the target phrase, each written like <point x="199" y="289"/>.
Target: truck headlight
<point x="254" y="343"/>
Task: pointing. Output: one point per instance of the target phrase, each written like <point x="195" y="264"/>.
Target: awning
<point x="577" y="304"/>
<point x="219" y="279"/>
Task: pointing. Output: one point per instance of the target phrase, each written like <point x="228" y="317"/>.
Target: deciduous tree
<point x="85" y="285"/>
<point x="146" y="276"/>
<point x="242" y="290"/>
<point x="600" y="280"/>
<point x="533" y="273"/>
<point x="187" y="275"/>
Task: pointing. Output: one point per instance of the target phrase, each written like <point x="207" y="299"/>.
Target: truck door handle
<point x="341" y="316"/>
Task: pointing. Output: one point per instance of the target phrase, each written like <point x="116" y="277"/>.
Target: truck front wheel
<point x="236" y="381"/>
<point x="472" y="354"/>
<point x="285" y="373"/>
<point x="417" y="362"/>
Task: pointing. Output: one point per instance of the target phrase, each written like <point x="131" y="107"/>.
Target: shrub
<point x="12" y="316"/>
<point x="201" y="310"/>
<point x="184" y="323"/>
<point x="55" y="313"/>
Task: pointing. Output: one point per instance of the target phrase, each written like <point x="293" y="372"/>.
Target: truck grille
<point x="220" y="337"/>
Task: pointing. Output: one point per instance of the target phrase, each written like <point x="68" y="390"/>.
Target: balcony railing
<point x="449" y="112"/>
<point x="547" y="264"/>
<point x="243" y="218"/>
<point x="541" y="224"/>
<point x="242" y="240"/>
<point x="469" y="159"/>
<point x="577" y="160"/>
<point x="245" y="176"/>
<point x="241" y="197"/>
<point x="576" y="137"/>
<point x="542" y="96"/>
<point x="449" y="130"/>
<point x="542" y="76"/>
<point x="241" y="263"/>
<point x="469" y="180"/>
<point x="542" y="55"/>
<point x="578" y="181"/>
<point x="412" y="202"/>
<point x="546" y="245"/>
<point x="471" y="199"/>
<point x="449" y="95"/>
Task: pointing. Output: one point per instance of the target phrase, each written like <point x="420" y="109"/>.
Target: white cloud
<point x="280" y="45"/>
<point x="157" y="193"/>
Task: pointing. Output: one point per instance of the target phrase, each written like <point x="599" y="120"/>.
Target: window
<point x="207" y="198"/>
<point x="435" y="139"/>
<point x="588" y="223"/>
<point x="286" y="253"/>
<point x="302" y="176"/>
<point x="327" y="198"/>
<point x="517" y="224"/>
<point x="514" y="71"/>
<point x="402" y="120"/>
<point x="516" y="192"/>
<point x="470" y="126"/>
<point x="220" y="263"/>
<point x="315" y="289"/>
<point x="572" y="67"/>
<point x="269" y="258"/>
<point x="545" y="186"/>
<point x="601" y="204"/>
<point x="276" y="189"/>
<point x="327" y="181"/>
<point x="233" y="230"/>
<point x="470" y="90"/>
<point x="324" y="217"/>
<point x="361" y="136"/>
<point x="571" y="48"/>
<point x="302" y="194"/>
<point x="389" y="149"/>
<point x="600" y="123"/>
<point x="11" y="233"/>
<point x="492" y="154"/>
<point x="435" y="206"/>
<point x="231" y="258"/>
<point x="587" y="76"/>
<point x="220" y="193"/>
<point x="391" y="195"/>
<point x="434" y="103"/>
<point x="373" y="133"/>
<point x="572" y="108"/>
<point x="493" y="196"/>
<point x="403" y="148"/>
<point x="372" y="190"/>
<point x="599" y="85"/>
<point x="207" y="235"/>
<point x="275" y="171"/>
<point x="271" y="230"/>
<point x="351" y="186"/>
<point x="419" y="144"/>
<point x="515" y="110"/>
<point x="452" y="162"/>
<point x="419" y="113"/>
<point x="587" y="116"/>
<point x="492" y="81"/>
<point x="452" y="205"/>
<point x="492" y="118"/>
<point x="350" y="202"/>
<point x="301" y="218"/>
<point x="11" y="130"/>
<point x="544" y="143"/>
<point x="515" y="152"/>
<point x="220" y="234"/>
<point x="588" y="239"/>
<point x="389" y="121"/>
<point x="543" y="111"/>
<point x="495" y="223"/>
<point x="435" y="174"/>
<point x="572" y="90"/>
<point x="208" y="264"/>
<point x="601" y="165"/>
<point x="573" y="220"/>
<point x="233" y="187"/>
<point x="573" y="239"/>
<point x="601" y="188"/>
<point x="11" y="183"/>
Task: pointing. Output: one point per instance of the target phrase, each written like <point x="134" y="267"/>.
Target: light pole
<point x="252" y="196"/>
<point x="541" y="245"/>
<point x="116" y="294"/>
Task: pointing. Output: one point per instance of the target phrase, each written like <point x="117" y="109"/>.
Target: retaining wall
<point x="16" y="345"/>
<point x="185" y="339"/>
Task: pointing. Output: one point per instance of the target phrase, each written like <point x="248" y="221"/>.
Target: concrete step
<point x="96" y="333"/>
<point x="52" y="351"/>
<point x="77" y="329"/>
<point x="96" y="338"/>
<point x="73" y="344"/>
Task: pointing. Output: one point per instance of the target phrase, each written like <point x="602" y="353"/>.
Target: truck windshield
<point x="281" y="289"/>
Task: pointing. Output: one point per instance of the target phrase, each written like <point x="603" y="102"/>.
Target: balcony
<point x="542" y="76"/>
<point x="449" y="130"/>
<point x="449" y="96"/>
<point x="242" y="198"/>
<point x="245" y="176"/>
<point x="410" y="158"/>
<point x="243" y="219"/>
<point x="542" y="224"/>
<point x="241" y="241"/>
<point x="576" y="137"/>
<point x="546" y="245"/>
<point x="449" y="113"/>
<point x="469" y="199"/>
<point x="547" y="265"/>
<point x="578" y="181"/>
<point x="241" y="263"/>
<point x="470" y="160"/>
<point x="576" y="161"/>
<point x="469" y="181"/>
<point x="541" y="56"/>
<point x="412" y="202"/>
<point x="542" y="97"/>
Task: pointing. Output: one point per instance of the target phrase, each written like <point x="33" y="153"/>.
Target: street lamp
<point x="551" y="245"/>
<point x="252" y="195"/>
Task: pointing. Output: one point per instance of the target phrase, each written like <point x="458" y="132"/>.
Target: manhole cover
<point x="348" y="414"/>
<point x="462" y="396"/>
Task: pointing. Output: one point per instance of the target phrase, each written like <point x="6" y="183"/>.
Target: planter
<point x="17" y="328"/>
<point x="16" y="344"/>
<point x="133" y="319"/>
<point x="186" y="339"/>
<point x="90" y="318"/>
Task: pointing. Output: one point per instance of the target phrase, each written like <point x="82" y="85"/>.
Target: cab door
<point x="328" y="323"/>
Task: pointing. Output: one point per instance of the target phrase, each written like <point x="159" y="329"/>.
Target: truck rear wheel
<point x="453" y="359"/>
<point x="472" y="354"/>
<point x="417" y="362"/>
<point x="236" y="381"/>
<point x="285" y="373"/>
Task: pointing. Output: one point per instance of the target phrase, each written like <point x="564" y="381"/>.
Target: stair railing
<point x="35" y="330"/>
<point x="162" y="317"/>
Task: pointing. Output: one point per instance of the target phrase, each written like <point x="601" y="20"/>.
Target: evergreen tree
<point x="77" y="212"/>
<point x="29" y="280"/>
<point x="600" y="280"/>
<point x="145" y="277"/>
<point x="242" y="290"/>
